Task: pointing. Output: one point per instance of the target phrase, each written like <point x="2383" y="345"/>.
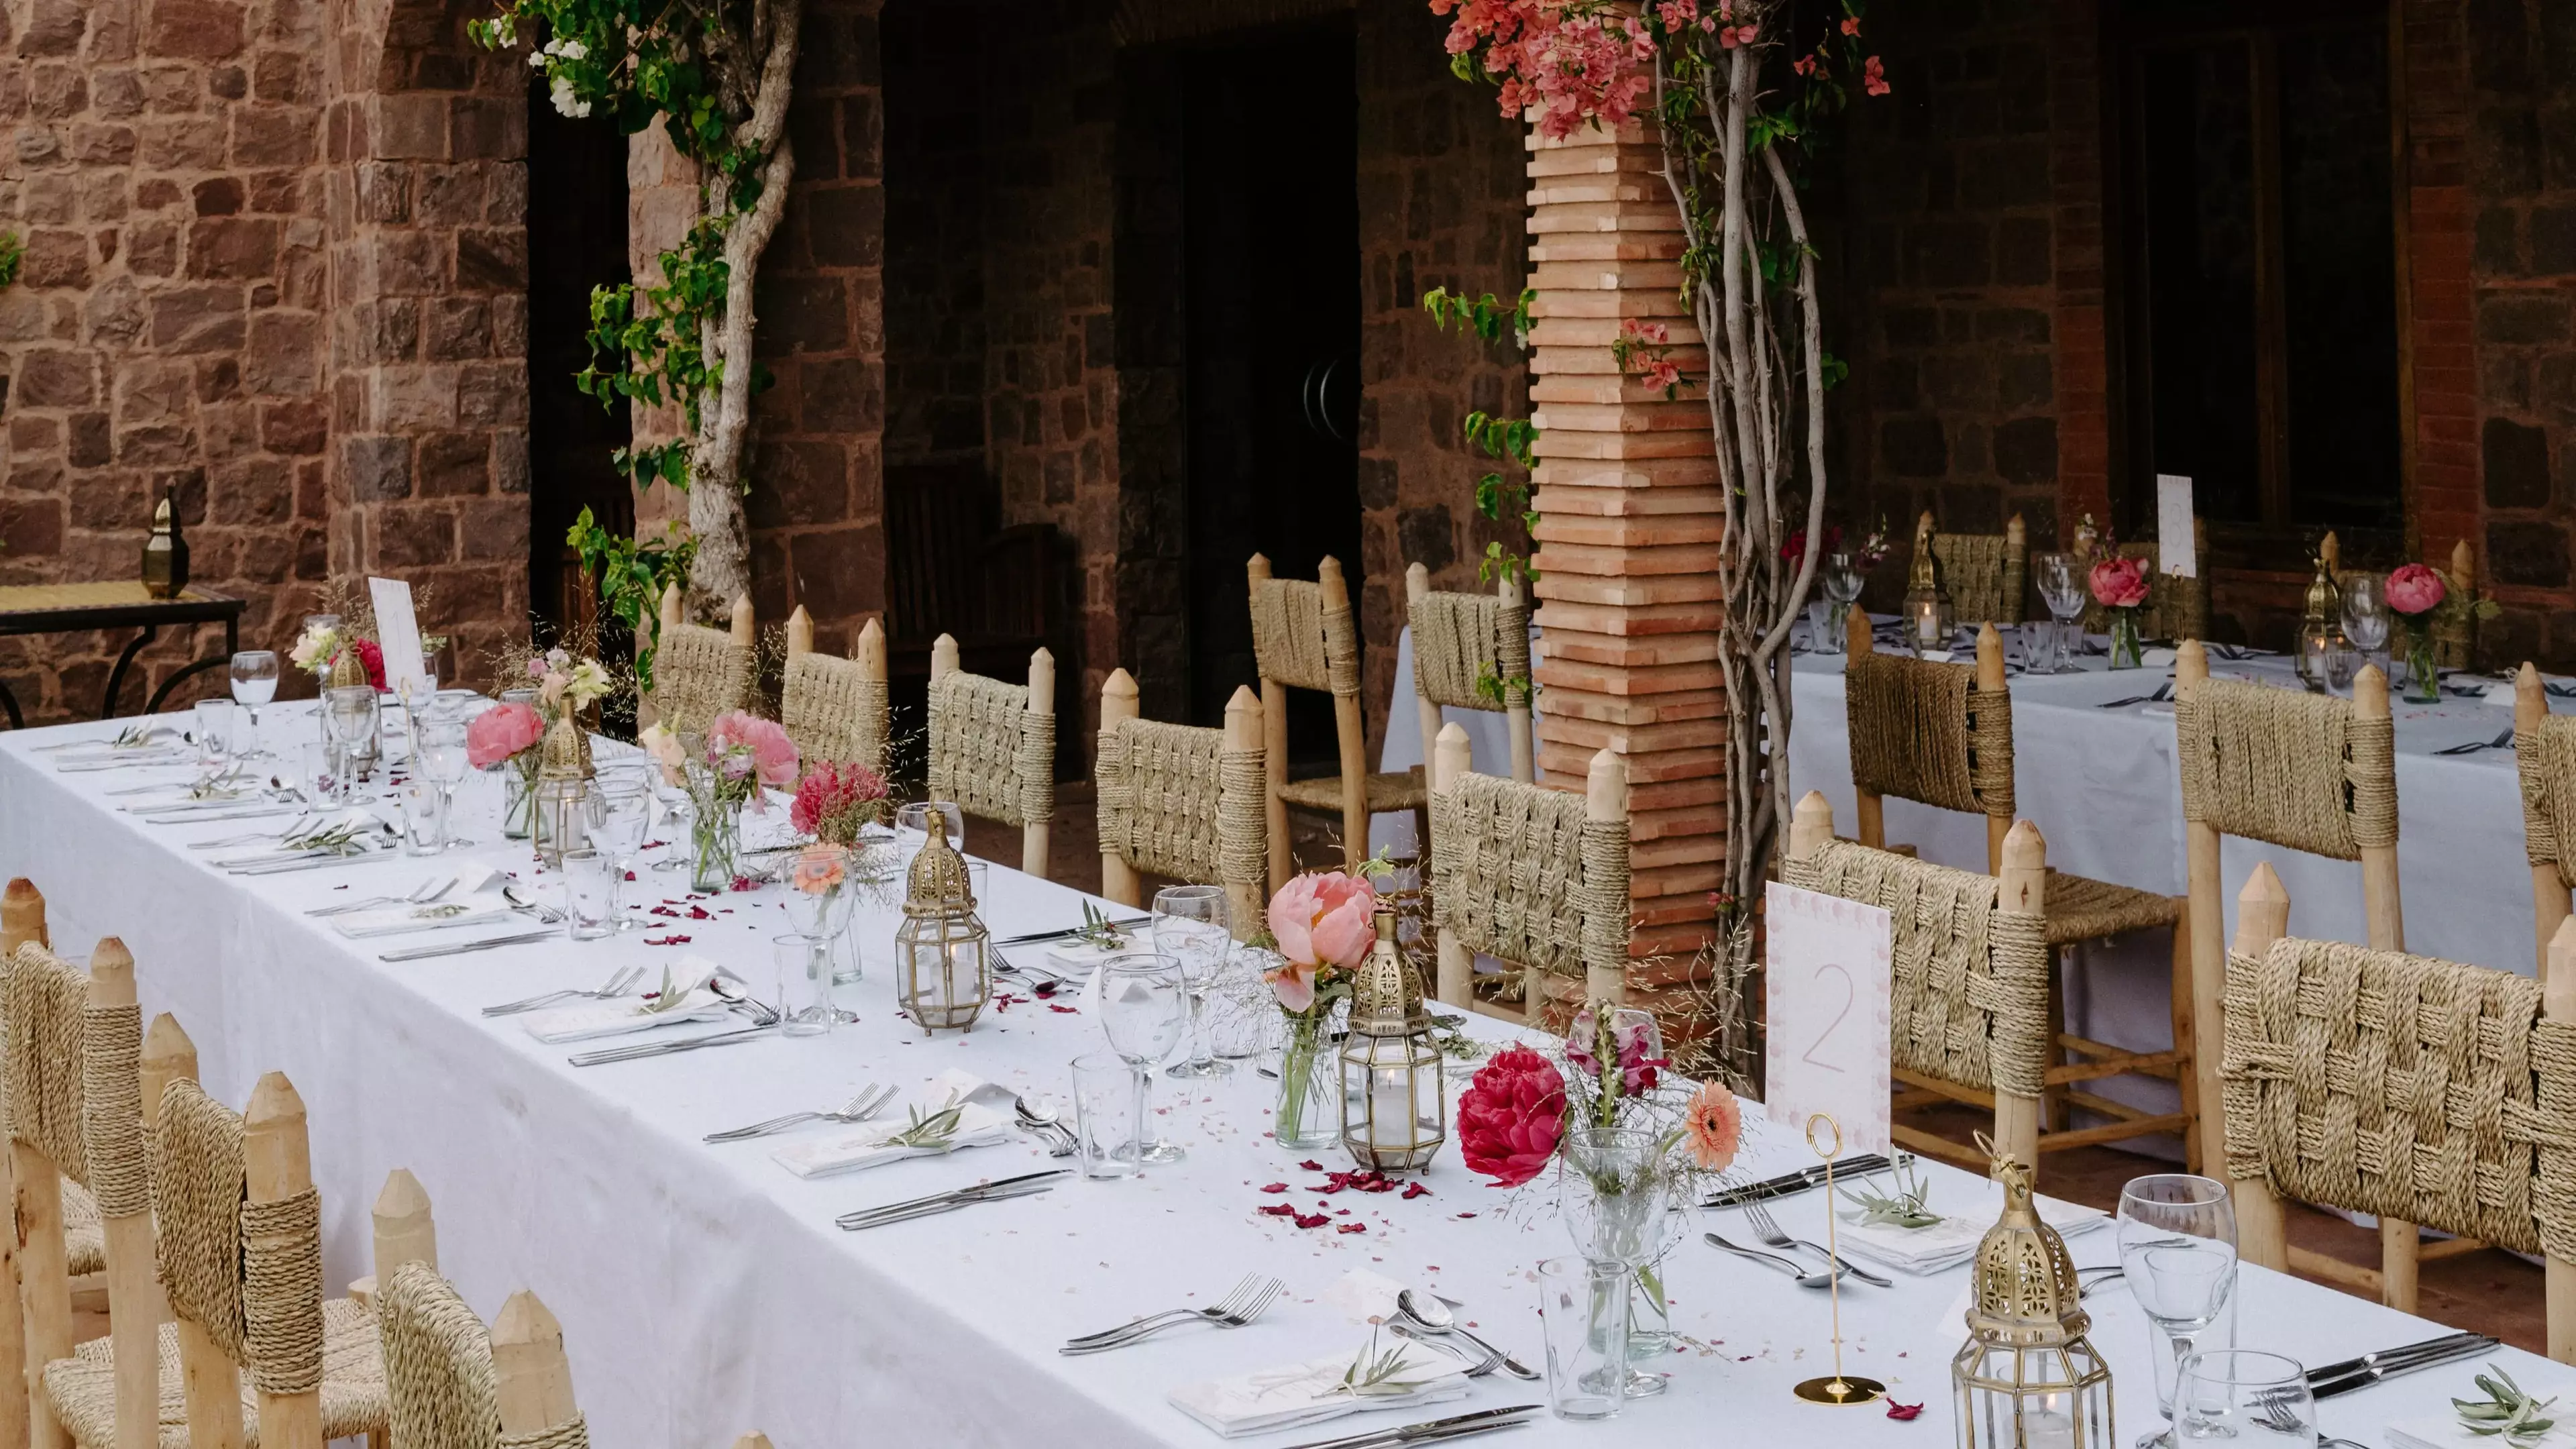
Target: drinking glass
<point x="1842" y="578"/>
<point x="1583" y="1310"/>
<point x="2342" y="662"/>
<point x="2039" y="646"/>
<point x="804" y="984"/>
<point x="1143" y="1008"/>
<point x="254" y="684"/>
<point x="587" y="894"/>
<point x="1820" y="624"/>
<point x="912" y="826"/>
<point x="1104" y="1126"/>
<point x="214" y="729"/>
<point x="1190" y="926"/>
<point x="2366" y="615"/>
<point x="2177" y="1237"/>
<point x="321" y="780"/>
<point x="438" y="756"/>
<point x="2246" y="1397"/>
<point x="423" y="806"/>
<point x="2061" y="588"/>
<point x="1615" y="1194"/>
<point x="625" y="813"/>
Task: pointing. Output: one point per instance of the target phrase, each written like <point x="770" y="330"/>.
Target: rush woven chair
<point x="698" y="672"/>
<point x="2304" y="772"/>
<point x="1305" y="636"/>
<point x="1969" y="1014"/>
<point x="452" y="1385"/>
<point x="1465" y="645"/>
<point x="240" y="1250"/>
<point x="1181" y="801"/>
<point x="2544" y="750"/>
<point x="1982" y="572"/>
<point x="1942" y="735"/>
<point x="2424" y="1091"/>
<point x="1535" y="878"/>
<point x="836" y="709"/>
<point x="22" y="922"/>
<point x="992" y="746"/>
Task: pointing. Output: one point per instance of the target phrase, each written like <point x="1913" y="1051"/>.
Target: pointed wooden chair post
<point x="1535" y="878"/>
<point x="209" y="1382"/>
<point x="2023" y="891"/>
<point x="1118" y="880"/>
<point x="2558" y="1006"/>
<point x="277" y="1168"/>
<point x="44" y="1271"/>
<point x="22" y="916"/>
<point x="2540" y="743"/>
<point x="2262" y="917"/>
<point x="405" y="1232"/>
<point x="1274" y="750"/>
<point x="1450" y="756"/>
<point x="752" y="1441"/>
<point x="531" y="1381"/>
<point x="22" y="922"/>
<point x="1181" y="801"/>
<point x="1605" y="953"/>
<point x="120" y="1176"/>
<point x="992" y="746"/>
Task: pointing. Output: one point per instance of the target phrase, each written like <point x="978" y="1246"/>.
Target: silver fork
<point x="425" y="893"/>
<point x="1767" y="1228"/>
<point x="1477" y="1367"/>
<point x="870" y="1101"/>
<point x="1239" y="1308"/>
<point x="546" y="914"/>
<point x="616" y="985"/>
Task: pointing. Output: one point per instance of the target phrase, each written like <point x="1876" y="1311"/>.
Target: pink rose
<point x="1324" y="918"/>
<point x="772" y="753"/>
<point x="2415" y="589"/>
<point x="2119" y="583"/>
<point x="501" y="732"/>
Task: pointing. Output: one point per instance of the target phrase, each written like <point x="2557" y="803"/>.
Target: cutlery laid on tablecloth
<point x="1432" y="1431"/>
<point x="940" y="1202"/>
<point x="871" y="1100"/>
<point x="2503" y="740"/>
<point x="1789" y="1184"/>
<point x="1239" y="1306"/>
<point x="423" y="953"/>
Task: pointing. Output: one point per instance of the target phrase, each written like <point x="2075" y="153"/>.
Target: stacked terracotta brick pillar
<point x="1628" y="531"/>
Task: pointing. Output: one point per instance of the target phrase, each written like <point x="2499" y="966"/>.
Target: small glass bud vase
<point x="1394" y="1113"/>
<point x="943" y="958"/>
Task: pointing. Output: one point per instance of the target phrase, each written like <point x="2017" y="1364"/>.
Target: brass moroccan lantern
<point x="1927" y="604"/>
<point x="1394" y="1114"/>
<point x="165" y="553"/>
<point x="943" y="958"/>
<point x="2028" y="1378"/>
<point x="563" y="798"/>
<point x="2320" y="625"/>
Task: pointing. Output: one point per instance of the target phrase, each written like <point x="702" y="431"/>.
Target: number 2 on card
<point x="1849" y="991"/>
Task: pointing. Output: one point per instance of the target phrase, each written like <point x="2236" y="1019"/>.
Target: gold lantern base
<point x="1841" y="1389"/>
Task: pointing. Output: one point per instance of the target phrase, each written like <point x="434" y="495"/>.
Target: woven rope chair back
<point x="835" y="710"/>
<point x="442" y="1389"/>
<point x="1465" y="644"/>
<point x="2421" y="1090"/>
<point x="249" y="1274"/>
<point x="1971" y="978"/>
<point x="2299" y="770"/>
<point x="699" y="673"/>
<point x="989" y="752"/>
<point x="1300" y="643"/>
<point x="1174" y="801"/>
<point x="1983" y="573"/>
<point x="2546" y="756"/>
<point x="1923" y="731"/>
<point x="1521" y="873"/>
<point x="47" y="1000"/>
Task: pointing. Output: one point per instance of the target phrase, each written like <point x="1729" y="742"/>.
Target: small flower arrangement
<point x="740" y="755"/>
<point x="2424" y="601"/>
<point x="503" y="732"/>
<point x="319" y="648"/>
<point x="2121" y="586"/>
<point x="834" y="801"/>
<point x="1322" y="925"/>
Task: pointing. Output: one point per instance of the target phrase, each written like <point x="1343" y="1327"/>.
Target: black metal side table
<point x="71" y="608"/>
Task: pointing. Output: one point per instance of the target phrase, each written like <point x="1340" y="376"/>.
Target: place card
<point x="397" y="633"/>
<point x="2177" y="551"/>
<point x="1829" y="980"/>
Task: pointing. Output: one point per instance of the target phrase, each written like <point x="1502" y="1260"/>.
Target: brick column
<point x="1628" y="528"/>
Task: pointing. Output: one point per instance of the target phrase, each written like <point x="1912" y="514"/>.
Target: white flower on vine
<point x="572" y="49"/>
<point x="504" y="29"/>
<point x="536" y="60"/>
<point x="565" y="101"/>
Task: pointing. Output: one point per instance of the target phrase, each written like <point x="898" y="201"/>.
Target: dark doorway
<point x="1271" y="297"/>
<point x="576" y="241"/>
<point x="2262" y="273"/>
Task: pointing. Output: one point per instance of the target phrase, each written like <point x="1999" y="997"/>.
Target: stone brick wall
<point x="166" y="336"/>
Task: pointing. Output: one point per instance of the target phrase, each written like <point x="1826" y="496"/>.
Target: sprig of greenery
<point x="1904" y="1207"/>
<point x="1372" y="1375"/>
<point x="931" y="1131"/>
<point x="1097" y="930"/>
<point x="2507" y="1412"/>
<point x="347" y="838"/>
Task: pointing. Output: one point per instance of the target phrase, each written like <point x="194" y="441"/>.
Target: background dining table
<point x="704" y="1290"/>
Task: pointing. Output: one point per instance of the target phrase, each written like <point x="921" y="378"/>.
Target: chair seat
<point x="84" y="1241"/>
<point x="83" y="1387"/>
<point x="2080" y="909"/>
<point x="1386" y="793"/>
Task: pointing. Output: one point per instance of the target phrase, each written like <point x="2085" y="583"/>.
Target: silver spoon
<point x="1040" y="1116"/>
<point x="1426" y="1312"/>
<point x="1785" y="1265"/>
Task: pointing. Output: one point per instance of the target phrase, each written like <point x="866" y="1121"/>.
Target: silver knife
<point x="2374" y="1374"/>
<point x="423" y="953"/>
<point x="936" y="1198"/>
<point x="1415" y="1433"/>
<point x="1034" y="937"/>
<point x="606" y="1055"/>
<point x="857" y="1222"/>
<point x="327" y="862"/>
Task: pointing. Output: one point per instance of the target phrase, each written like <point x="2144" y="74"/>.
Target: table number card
<point x="1828" y="979"/>
<point x="2177" y="553"/>
<point x="397" y="632"/>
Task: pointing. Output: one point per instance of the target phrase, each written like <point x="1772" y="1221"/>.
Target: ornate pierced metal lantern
<point x="2320" y="625"/>
<point x="1927" y="604"/>
<point x="2027" y="1378"/>
<point x="943" y="956"/>
<point x="1394" y="1114"/>
<point x="564" y="798"/>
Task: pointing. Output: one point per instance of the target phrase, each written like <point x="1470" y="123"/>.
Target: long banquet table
<point x="704" y="1290"/>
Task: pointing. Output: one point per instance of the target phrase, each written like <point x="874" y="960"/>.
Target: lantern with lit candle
<point x="1927" y="604"/>
<point x="563" y="796"/>
<point x="942" y="954"/>
<point x="1394" y="1114"/>
<point x="2028" y="1378"/>
<point x="2320" y="625"/>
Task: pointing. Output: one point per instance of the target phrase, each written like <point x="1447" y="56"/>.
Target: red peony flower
<point x="2119" y="583"/>
<point x="371" y="657"/>
<point x="2415" y="589"/>
<point x="1510" y="1117"/>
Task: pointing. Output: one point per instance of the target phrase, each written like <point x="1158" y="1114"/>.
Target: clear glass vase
<point x="715" y="840"/>
<point x="2423" y="676"/>
<point x="2127" y="650"/>
<point x="1309" y="1115"/>
<point x="519" y="796"/>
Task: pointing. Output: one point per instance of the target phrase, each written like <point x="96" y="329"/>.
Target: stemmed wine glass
<point x="1191" y="927"/>
<point x="254" y="684"/>
<point x="1143" y="1009"/>
<point x="2365" y="616"/>
<point x="1842" y="580"/>
<point x="2061" y="588"/>
<point x="2177" y="1235"/>
<point x="439" y="755"/>
<point x="350" y="713"/>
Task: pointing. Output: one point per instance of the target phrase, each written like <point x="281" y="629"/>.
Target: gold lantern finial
<point x="1394" y="1113"/>
<point x="943" y="954"/>
<point x="2027" y="1376"/>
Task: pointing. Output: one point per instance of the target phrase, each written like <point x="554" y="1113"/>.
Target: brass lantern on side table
<point x="2028" y="1378"/>
<point x="943" y="957"/>
<point x="1395" y="1114"/>
<point x="561" y="815"/>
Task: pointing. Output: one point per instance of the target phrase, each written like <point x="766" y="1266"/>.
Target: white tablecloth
<point x="704" y="1291"/>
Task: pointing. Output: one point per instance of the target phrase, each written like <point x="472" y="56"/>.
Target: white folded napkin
<point x="1311" y="1392"/>
<point x="1954" y="1239"/>
<point x="620" y="1018"/>
<point x="1363" y="1297"/>
<point x="1078" y="959"/>
<point x="2446" y="1432"/>
<point x="866" y="1144"/>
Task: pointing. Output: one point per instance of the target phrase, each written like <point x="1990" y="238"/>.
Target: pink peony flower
<point x="1510" y="1117"/>
<point x="2119" y="583"/>
<point x="2415" y="589"/>
<point x="1324" y="918"/>
<point x="765" y="742"/>
<point x="501" y="732"/>
<point x="1293" y="984"/>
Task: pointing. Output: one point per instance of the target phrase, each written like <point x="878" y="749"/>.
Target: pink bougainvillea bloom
<point x="1324" y="918"/>
<point x="2119" y="583"/>
<point x="1653" y="334"/>
<point x="501" y="732"/>
<point x="1851" y="25"/>
<point x="2415" y="589"/>
<point x="1874" y="78"/>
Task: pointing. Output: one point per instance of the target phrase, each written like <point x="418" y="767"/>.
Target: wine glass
<point x="1143" y="1009"/>
<point x="1191" y="927"/>
<point x="350" y="713"/>
<point x="2365" y="615"/>
<point x="438" y="754"/>
<point x="624" y="815"/>
<point x="2177" y="1238"/>
<point x="1842" y="579"/>
<point x="2257" y="1399"/>
<point x="2061" y="588"/>
<point x="254" y="684"/>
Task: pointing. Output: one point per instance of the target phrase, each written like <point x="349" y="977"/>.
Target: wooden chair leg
<point x="2195" y="1137"/>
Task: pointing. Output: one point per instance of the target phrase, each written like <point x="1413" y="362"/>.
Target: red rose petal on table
<point x="1351" y="1228"/>
<point x="1413" y="1190"/>
<point x="1465" y="1215"/>
<point x="1311" y="1166"/>
<point x="1896" y="1410"/>
<point x="1067" y="1010"/>
<point x="1278" y="1210"/>
<point x="674" y="939"/>
<point x="699" y="913"/>
<point x="1275" y="1187"/>
<point x="630" y="875"/>
<point x="1315" y="1220"/>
